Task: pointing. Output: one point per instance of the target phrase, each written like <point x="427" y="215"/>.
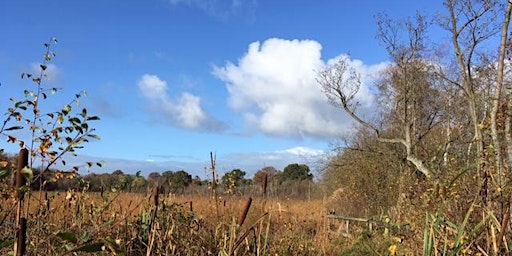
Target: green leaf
<point x="79" y="129"/>
<point x="43" y="67"/>
<point x="84" y="113"/>
<point x="60" y="118"/>
<point x="93" y="118"/>
<point x="28" y="93"/>
<point x="107" y="223"/>
<point x="113" y="247"/>
<point x="74" y="120"/>
<point x="6" y="242"/>
<point x="67" y="236"/>
<point x="13" y="128"/>
<point x="85" y="236"/>
<point x="94" y="136"/>
<point x="18" y="104"/>
<point x="92" y="247"/>
<point x="66" y="109"/>
<point x="27" y="172"/>
<point x="3" y="174"/>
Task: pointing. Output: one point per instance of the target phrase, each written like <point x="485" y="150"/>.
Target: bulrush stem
<point x="241" y="220"/>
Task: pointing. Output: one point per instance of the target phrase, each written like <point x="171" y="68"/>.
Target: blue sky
<point x="173" y="80"/>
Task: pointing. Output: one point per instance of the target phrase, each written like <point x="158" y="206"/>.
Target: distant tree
<point x="139" y="184"/>
<point x="121" y="181"/>
<point x="197" y="181"/>
<point x="93" y="181"/>
<point x="154" y="179"/>
<point x="177" y="180"/>
<point x="296" y="172"/>
<point x="118" y="172"/>
<point x="166" y="175"/>
<point x="269" y="171"/>
<point x="234" y="179"/>
<point x="272" y="174"/>
<point x="126" y="182"/>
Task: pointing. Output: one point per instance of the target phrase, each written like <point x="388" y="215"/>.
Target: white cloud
<point x="304" y="151"/>
<point x="273" y="85"/>
<point x="185" y="111"/>
<point x="189" y="111"/>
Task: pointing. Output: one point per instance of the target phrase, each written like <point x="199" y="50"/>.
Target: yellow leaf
<point x="392" y="249"/>
<point x="3" y="164"/>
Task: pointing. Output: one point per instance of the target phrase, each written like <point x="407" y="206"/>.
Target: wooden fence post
<point x="21" y="223"/>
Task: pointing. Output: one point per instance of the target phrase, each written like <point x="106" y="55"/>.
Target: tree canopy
<point x="296" y="172"/>
<point x="234" y="179"/>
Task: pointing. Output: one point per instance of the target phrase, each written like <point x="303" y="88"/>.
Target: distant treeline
<point x="295" y="181"/>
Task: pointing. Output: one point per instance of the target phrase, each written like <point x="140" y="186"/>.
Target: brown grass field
<point x="85" y="223"/>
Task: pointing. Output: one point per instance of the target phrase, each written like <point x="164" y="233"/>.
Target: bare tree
<point x="480" y="76"/>
<point x="405" y="82"/>
<point x="470" y="23"/>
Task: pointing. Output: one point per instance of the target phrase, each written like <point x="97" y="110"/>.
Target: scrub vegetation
<point x="427" y="172"/>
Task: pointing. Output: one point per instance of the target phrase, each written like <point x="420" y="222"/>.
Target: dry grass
<point x="134" y="224"/>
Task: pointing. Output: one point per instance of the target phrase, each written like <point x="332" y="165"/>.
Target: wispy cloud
<point x="104" y="107"/>
<point x="250" y="162"/>
<point x="183" y="111"/>
<point x="222" y="9"/>
<point x="51" y="73"/>
<point x="273" y="85"/>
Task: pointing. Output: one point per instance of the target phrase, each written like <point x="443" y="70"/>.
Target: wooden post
<point x="265" y="183"/>
<point x="20" y="179"/>
<point x="21" y="223"/>
<point x="214" y="185"/>
<point x="21" y="237"/>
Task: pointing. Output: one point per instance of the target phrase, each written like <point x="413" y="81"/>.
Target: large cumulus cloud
<point x="274" y="86"/>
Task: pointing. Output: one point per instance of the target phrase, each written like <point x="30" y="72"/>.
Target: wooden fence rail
<point x="343" y="228"/>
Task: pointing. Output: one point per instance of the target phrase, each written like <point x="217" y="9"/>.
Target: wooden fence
<point x="343" y="222"/>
